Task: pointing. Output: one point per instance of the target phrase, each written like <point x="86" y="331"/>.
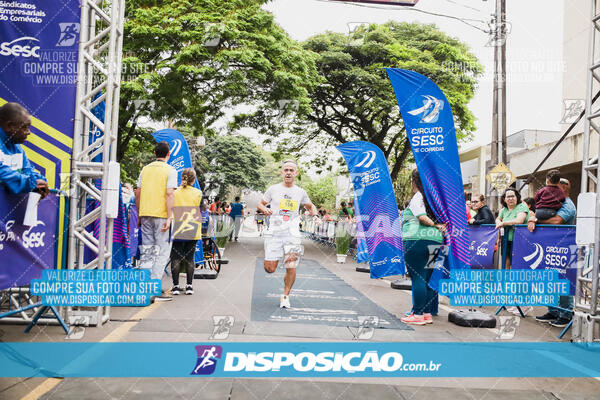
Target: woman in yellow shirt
<point x="188" y="229"/>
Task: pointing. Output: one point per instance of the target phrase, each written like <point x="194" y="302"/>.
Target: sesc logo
<point x="482" y="249"/>
<point x="539" y="252"/>
<point x="207" y="359"/>
<point x="370" y="156"/>
<point x="34" y="239"/>
<point x="21" y="47"/>
<point x="430" y="110"/>
<point x="175" y="148"/>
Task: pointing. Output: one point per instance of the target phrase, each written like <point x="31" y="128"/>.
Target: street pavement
<point x="325" y="307"/>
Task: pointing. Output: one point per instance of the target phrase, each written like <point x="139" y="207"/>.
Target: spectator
<point x="483" y="213"/>
<point x="421" y="236"/>
<point x="513" y="212"/>
<point x="154" y="198"/>
<point x="188" y="229"/>
<point x="326" y="216"/>
<point x="215" y="207"/>
<point x="559" y="317"/>
<point x="237" y="211"/>
<point x="16" y="172"/>
<point x="205" y="217"/>
<point x="550" y="198"/>
<point x="351" y="210"/>
<point x="344" y="214"/>
<point x="224" y="208"/>
<point x="470" y="212"/>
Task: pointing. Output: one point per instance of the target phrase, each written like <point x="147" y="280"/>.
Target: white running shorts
<point x="282" y="244"/>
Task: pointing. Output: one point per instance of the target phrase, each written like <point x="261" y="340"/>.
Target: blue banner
<point x="38" y="59"/>
<point x="180" y="158"/>
<point x="377" y="211"/>
<point x="550" y="247"/>
<point x="30" y="249"/>
<point x="430" y="128"/>
<point x="482" y="240"/>
<point x="296" y="359"/>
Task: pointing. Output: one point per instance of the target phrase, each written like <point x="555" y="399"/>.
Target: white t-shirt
<point x="417" y="205"/>
<point x="285" y="203"/>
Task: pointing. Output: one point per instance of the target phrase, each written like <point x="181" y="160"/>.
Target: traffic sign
<point x="500" y="177"/>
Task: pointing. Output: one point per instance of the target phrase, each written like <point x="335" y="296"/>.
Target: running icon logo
<point x="430" y="110"/>
<point x="207" y="359"/>
<point x="69" y="32"/>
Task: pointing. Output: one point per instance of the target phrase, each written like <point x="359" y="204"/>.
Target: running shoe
<point x="284" y="302"/>
<point x="512" y="309"/>
<point x="189" y="289"/>
<point x="163" y="297"/>
<point x="414" y="320"/>
<point x="176" y="290"/>
<point x="428" y="318"/>
<point x="560" y="322"/>
<point x="548" y="317"/>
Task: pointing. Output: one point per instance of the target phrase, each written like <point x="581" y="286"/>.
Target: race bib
<point x="288" y="204"/>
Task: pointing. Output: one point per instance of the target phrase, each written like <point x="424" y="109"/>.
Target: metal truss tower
<point x="586" y="322"/>
<point x="99" y="77"/>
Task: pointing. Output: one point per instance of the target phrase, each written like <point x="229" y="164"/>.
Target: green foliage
<point x="138" y="154"/>
<point x="195" y="60"/>
<point x="322" y="193"/>
<point x="354" y="99"/>
<point x="271" y="172"/>
<point x="402" y="187"/>
<point x="342" y="237"/>
<point x="230" y="161"/>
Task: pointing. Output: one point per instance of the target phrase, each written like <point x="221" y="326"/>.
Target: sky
<point x="533" y="49"/>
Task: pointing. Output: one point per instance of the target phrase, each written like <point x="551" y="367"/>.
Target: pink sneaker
<point x="428" y="318"/>
<point x="414" y="320"/>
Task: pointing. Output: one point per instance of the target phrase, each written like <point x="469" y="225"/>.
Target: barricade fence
<point x="547" y="247"/>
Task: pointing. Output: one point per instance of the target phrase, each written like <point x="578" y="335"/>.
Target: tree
<point x="354" y="99"/>
<point x="322" y="193"/>
<point x="403" y="188"/>
<point x="193" y="61"/>
<point x="230" y="161"/>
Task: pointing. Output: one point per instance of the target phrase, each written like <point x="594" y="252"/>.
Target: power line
<point x="405" y="8"/>
<point x="463" y="5"/>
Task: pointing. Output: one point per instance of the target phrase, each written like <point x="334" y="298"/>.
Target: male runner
<point x="282" y="238"/>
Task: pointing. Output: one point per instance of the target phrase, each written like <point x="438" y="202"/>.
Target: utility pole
<point x="502" y="94"/>
<point x="499" y="93"/>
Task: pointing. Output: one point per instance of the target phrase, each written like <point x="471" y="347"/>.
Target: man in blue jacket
<point x="16" y="172"/>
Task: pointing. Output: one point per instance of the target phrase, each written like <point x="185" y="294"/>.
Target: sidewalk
<point x="190" y="319"/>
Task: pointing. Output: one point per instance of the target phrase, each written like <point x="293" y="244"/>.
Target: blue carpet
<point x="318" y="297"/>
